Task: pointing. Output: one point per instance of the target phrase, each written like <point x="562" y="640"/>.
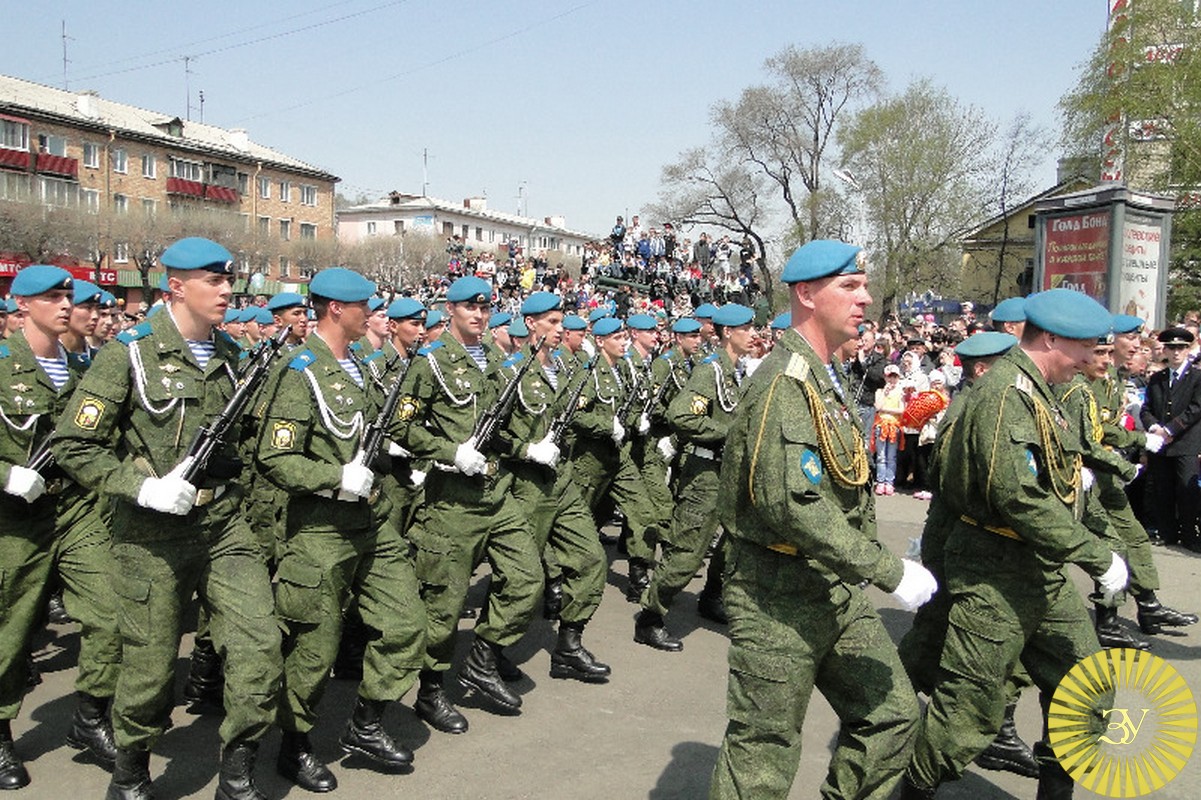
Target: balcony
<point x="14" y="159"/>
<point x="58" y="165"/>
<point x="185" y="187"/>
<point x="221" y="194"/>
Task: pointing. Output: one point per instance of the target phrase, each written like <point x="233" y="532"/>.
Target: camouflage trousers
<point x="693" y="523"/>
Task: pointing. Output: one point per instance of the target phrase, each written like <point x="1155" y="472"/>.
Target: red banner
<point x="1076" y="253"/>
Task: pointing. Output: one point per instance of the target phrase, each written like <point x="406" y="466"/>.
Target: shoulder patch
<point x="139" y="331"/>
<point x="301" y="361"/>
<point x="283" y="436"/>
<point x="4" y="352"/>
<point x="668" y="355"/>
<point x="709" y="359"/>
<point x="225" y="338"/>
<point x="514" y="360"/>
<point x="429" y="348"/>
<point x="1031" y="462"/>
<point x="369" y="358"/>
<point x="1023" y="384"/>
<point x="797" y="368"/>
<point x="811" y="466"/>
<point x="355" y="347"/>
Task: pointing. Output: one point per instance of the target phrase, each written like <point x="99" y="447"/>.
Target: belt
<point x="346" y="497"/>
<point x="706" y="453"/>
<point x="1008" y="533"/>
<point x="490" y="468"/>
<point x="206" y="496"/>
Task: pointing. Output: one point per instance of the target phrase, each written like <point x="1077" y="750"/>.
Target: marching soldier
<point x="126" y="433"/>
<point x="575" y="333"/>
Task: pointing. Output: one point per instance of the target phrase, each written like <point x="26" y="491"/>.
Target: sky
<point x="566" y="108"/>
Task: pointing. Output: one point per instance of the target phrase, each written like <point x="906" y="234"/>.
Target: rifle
<point x="211" y="436"/>
<point x="559" y="424"/>
<point x="374" y="434"/>
<point x="643" y="375"/>
<point x="491" y="420"/>
<point x="652" y="401"/>
<point x="42" y="460"/>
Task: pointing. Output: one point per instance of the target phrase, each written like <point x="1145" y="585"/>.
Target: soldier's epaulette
<point x="243" y="354"/>
<point x="514" y="359"/>
<point x="139" y="331"/>
<point x="711" y="358"/>
<point x="355" y="347"/>
<point x="797" y="368"/>
<point x="373" y="356"/>
<point x="301" y="360"/>
<point x="667" y="356"/>
<point x="4" y="351"/>
<point x="1023" y="384"/>
<point x="225" y="338"/>
<point x="429" y="348"/>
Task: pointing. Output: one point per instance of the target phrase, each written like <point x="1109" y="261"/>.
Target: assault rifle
<point x="210" y="437"/>
<point x="491" y="420"/>
<point x="653" y="400"/>
<point x="42" y="459"/>
<point x="643" y="375"/>
<point x="559" y="424"/>
<point x="374" y="434"/>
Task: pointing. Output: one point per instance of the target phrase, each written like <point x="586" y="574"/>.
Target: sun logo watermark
<point x="1123" y="723"/>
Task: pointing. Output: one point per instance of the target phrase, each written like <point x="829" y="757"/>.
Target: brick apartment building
<point x="62" y="148"/>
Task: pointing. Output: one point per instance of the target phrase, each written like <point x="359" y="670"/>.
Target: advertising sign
<point x="1076" y="253"/>
<point x="1137" y="289"/>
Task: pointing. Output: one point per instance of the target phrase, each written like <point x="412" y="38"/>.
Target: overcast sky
<point x="574" y="104"/>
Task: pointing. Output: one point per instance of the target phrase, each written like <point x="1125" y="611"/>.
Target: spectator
<point x="889" y="406"/>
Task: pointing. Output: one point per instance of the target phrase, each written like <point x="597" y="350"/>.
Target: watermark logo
<point x="1123" y="723"/>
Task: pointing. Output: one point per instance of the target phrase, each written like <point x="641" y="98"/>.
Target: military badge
<point x="811" y="466"/>
<point x="407" y="409"/>
<point x="1031" y="463"/>
<point x="580" y="406"/>
<point x="88" y="416"/>
<point x="700" y="405"/>
<point x="20" y="387"/>
<point x="337" y="386"/>
<point x="283" y="435"/>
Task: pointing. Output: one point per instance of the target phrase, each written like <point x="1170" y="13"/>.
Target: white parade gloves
<point x="917" y="585"/>
<point x="417" y="477"/>
<point x="1154" y="442"/>
<point x="1115" y="578"/>
<point x="1087" y="479"/>
<point x="170" y="494"/>
<point x="356" y="482"/>
<point x="396" y="451"/>
<point x="468" y="460"/>
<point x="644" y="423"/>
<point x="25" y="483"/>
<point x="666" y="448"/>
<point x="544" y="452"/>
<point x="619" y="431"/>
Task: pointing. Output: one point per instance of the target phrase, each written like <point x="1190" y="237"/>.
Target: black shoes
<point x="639" y="579"/>
<point x="298" y="764"/>
<point x="131" y="777"/>
<point x="365" y="736"/>
<point x="435" y="708"/>
<point x="204" y="691"/>
<point x="1110" y="632"/>
<point x="56" y="610"/>
<point x="92" y="731"/>
<point x="1008" y="753"/>
<point x="508" y="671"/>
<point x="649" y="630"/>
<point x="479" y="673"/>
<point x="12" y="772"/>
<point x="1153" y="616"/>
<point x="711" y="607"/>
<point x="570" y="659"/>
<point x="236" y="779"/>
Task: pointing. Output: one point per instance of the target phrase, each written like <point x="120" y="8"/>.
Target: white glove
<point x="468" y="460"/>
<point x="644" y="423"/>
<point x="1138" y="470"/>
<point x="619" y="431"/>
<point x="1087" y="479"/>
<point x="25" y="483"/>
<point x="170" y="494"/>
<point x="917" y="585"/>
<point x="667" y="448"/>
<point x="544" y="452"/>
<point x="1115" y="578"/>
<point x="356" y="482"/>
<point x="396" y="451"/>
<point x="417" y="477"/>
<point x="1154" y="442"/>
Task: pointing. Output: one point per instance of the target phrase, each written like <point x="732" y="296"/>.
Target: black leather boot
<point x="435" y="708"/>
<point x="1110" y="632"/>
<point x="236" y="779"/>
<point x="92" y="731"/>
<point x="570" y="659"/>
<point x="12" y="772"/>
<point x="56" y="610"/>
<point x="711" y="607"/>
<point x="365" y="735"/>
<point x="298" y="764"/>
<point x="204" y="691"/>
<point x="639" y="580"/>
<point x="1054" y="783"/>
<point x="1153" y="616"/>
<point x="131" y="777"/>
<point x="1008" y="753"/>
<point x="479" y="673"/>
<point x="911" y="791"/>
<point x="649" y="630"/>
<point x="33" y="675"/>
<point x="552" y="598"/>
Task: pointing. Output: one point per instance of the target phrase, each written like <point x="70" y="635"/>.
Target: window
<point x="398" y="227"/>
<point x="52" y="145"/>
<point x="91" y="155"/>
<point x="14" y="135"/>
<point x="14" y="186"/>
<point x="307" y="270"/>
<point x="245" y="221"/>
<point x="308" y="195"/>
<point x="187" y="170"/>
<point x="120" y="204"/>
<point x="264" y="188"/>
<point x="56" y="192"/>
<point x="371" y="229"/>
<point x="120" y="160"/>
<point x="491" y="237"/>
<point x="479" y="234"/>
<point x="285" y="229"/>
<point x="90" y="200"/>
<point x="463" y="232"/>
<point x="121" y="252"/>
<point x="148" y="166"/>
<point x="243" y="183"/>
<point x="285" y="267"/>
<point x="264" y="227"/>
<point x="285" y="191"/>
<point x="149" y="206"/>
<point x="308" y="230"/>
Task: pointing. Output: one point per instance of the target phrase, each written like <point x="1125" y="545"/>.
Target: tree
<point x="1021" y="146"/>
<point x="921" y="159"/>
<point x="785" y="126"/>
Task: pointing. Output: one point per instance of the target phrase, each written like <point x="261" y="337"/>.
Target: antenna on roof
<point x="425" y="170"/>
<point x="187" y="84"/>
<point x="65" y="59"/>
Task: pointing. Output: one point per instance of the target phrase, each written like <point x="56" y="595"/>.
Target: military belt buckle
<point x="206" y="495"/>
<point x="374" y="495"/>
<point x="55" y="486"/>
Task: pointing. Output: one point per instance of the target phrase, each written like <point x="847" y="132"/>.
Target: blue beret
<point x="375" y="304"/>
<point x="262" y="316"/>
<point x="38" y="278"/>
<point x="733" y="315"/>
<point x="107" y="299"/>
<point x="641" y="322"/>
<point x="233" y="315"/>
<point x="540" y="302"/>
<point x="341" y="284"/>
<point x="499" y="320"/>
<point x="284" y="300"/>
<point x="86" y="292"/>
<point x="820" y="259"/>
<point x="573" y="323"/>
<point x="704" y="311"/>
<point x="10" y="305"/>
<point x="433" y="317"/>
<point x="985" y="343"/>
<point x="686" y="325"/>
<point x="606" y="326"/>
<point x="782" y="322"/>
<point x="517" y="328"/>
<point x="1126" y="323"/>
<point x="162" y="284"/>
<point x="1068" y="313"/>
<point x="196" y="252"/>
<point x="599" y="314"/>
<point x="406" y="308"/>
<point x="248" y="314"/>
<point x="1012" y="309"/>
<point x="469" y="289"/>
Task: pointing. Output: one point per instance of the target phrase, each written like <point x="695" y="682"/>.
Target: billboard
<point x="1076" y="253"/>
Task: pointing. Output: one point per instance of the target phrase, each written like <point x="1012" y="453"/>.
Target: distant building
<point x="63" y="148"/>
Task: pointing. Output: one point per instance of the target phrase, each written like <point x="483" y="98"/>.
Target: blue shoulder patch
<point x="243" y="354"/>
<point x="373" y="356"/>
<point x="514" y="359"/>
<point x="429" y="348"/>
<point x="811" y="466"/>
<point x="667" y="356"/>
<point x="139" y="331"/>
<point x="709" y="359"/>
<point x="4" y="353"/>
<point x="302" y="360"/>
<point x="355" y="346"/>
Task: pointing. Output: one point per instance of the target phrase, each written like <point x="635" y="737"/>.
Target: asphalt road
<point x="651" y="732"/>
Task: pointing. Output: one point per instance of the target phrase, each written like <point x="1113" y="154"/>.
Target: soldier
<point x="85" y="316"/>
<point x="406" y="318"/>
<point x="575" y="333"/>
<point x="498" y="328"/>
<point x="125" y="434"/>
<point x="700" y="416"/>
<point x="1017" y="497"/>
<point x="1009" y="316"/>
<point x="13" y="318"/>
<point x="377" y="328"/>
<point x="800" y="527"/>
<point x="47" y="527"/>
<point x="435" y="325"/>
<point x="469" y="513"/>
<point x="670" y="372"/>
<point x="234" y="326"/>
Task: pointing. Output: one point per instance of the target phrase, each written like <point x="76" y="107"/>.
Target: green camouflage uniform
<point x="645" y="455"/>
<point x="799" y="515"/>
<point x="134" y="415"/>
